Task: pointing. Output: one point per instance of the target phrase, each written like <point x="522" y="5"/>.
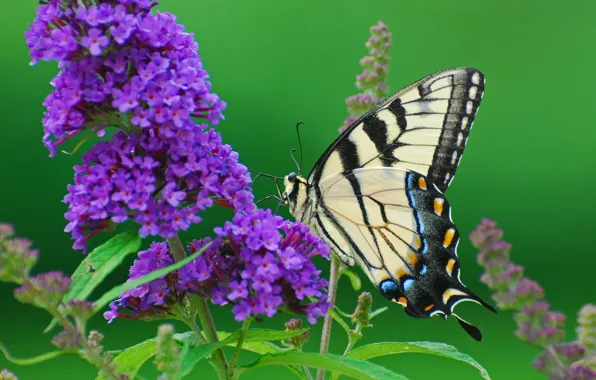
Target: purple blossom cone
<point x="118" y="58"/>
<point x="44" y="290"/>
<point x="153" y="298"/>
<point x="537" y="325"/>
<point x="372" y="81"/>
<point x="162" y="184"/>
<point x="259" y="264"/>
<point x="265" y="264"/>
<point x="16" y="256"/>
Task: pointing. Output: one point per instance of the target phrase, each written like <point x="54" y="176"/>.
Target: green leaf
<point x="378" y="312"/>
<point x="98" y="264"/>
<point x="131" y="359"/>
<point x="199" y="352"/>
<point x="357" y="369"/>
<point x="116" y="291"/>
<point x="353" y="277"/>
<point x="439" y="349"/>
<point x="30" y="361"/>
<point x="263" y="348"/>
<point x="195" y="355"/>
<point x="337" y="318"/>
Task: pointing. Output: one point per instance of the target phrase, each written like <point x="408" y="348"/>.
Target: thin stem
<point x="243" y="331"/>
<point x="219" y="359"/>
<point x="307" y="370"/>
<point x="332" y="292"/>
<point x="551" y="350"/>
<point x="190" y="322"/>
<point x="91" y="355"/>
<point x="211" y="332"/>
<point x="353" y="338"/>
<point x="177" y="248"/>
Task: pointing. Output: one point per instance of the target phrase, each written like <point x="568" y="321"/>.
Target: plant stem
<point x="219" y="359"/>
<point x="243" y="331"/>
<point x="332" y="292"/>
<point x="195" y="328"/>
<point x="176" y="248"/>
<point x="211" y="332"/>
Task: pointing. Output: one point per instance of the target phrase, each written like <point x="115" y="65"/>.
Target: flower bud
<point x="167" y="353"/>
<point x="297" y="341"/>
<point x="586" y="326"/>
<point x="44" y="290"/>
<point x="16" y="256"/>
<point x="7" y="375"/>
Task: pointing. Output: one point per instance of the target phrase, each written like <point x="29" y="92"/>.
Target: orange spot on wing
<point x="412" y="258"/>
<point x="450" y="265"/>
<point x="429" y="307"/>
<point x="417" y="243"/>
<point x="448" y="239"/>
<point x="402" y="301"/>
<point x="422" y="183"/>
<point x="400" y="272"/>
<point x="438" y="206"/>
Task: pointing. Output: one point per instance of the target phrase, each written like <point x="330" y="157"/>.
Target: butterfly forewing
<point x="423" y="128"/>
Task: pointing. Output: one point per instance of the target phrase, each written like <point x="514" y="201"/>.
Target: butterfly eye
<point x="292" y="177"/>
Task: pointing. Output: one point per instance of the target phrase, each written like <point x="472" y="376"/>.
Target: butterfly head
<point x="294" y="194"/>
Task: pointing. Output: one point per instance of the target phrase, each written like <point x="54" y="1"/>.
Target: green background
<point x="529" y="162"/>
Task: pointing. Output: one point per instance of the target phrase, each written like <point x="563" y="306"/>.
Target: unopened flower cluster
<point x="372" y="82"/>
<point x="537" y="324"/>
<point x="259" y="263"/>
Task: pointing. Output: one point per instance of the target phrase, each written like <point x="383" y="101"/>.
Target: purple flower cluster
<point x="117" y="58"/>
<point x="44" y="290"/>
<point x="537" y="324"/>
<point x="372" y="81"/>
<point x="155" y="296"/>
<point x="161" y="184"/>
<point x="259" y="264"/>
<point x="512" y="291"/>
<point x="565" y="361"/>
<point x="16" y="256"/>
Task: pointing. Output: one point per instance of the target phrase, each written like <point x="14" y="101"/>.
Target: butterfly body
<point x="376" y="195"/>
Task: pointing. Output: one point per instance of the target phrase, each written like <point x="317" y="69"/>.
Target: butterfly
<point x="376" y="195"/>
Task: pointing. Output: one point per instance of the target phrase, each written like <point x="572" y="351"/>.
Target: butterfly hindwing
<point x="423" y="128"/>
<point x="398" y="224"/>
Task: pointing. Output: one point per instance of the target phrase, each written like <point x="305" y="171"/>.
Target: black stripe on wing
<point x="423" y="128"/>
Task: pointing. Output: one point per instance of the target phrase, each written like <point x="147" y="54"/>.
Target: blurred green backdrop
<point x="277" y="63"/>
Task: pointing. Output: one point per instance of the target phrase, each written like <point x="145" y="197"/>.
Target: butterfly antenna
<point x="298" y="165"/>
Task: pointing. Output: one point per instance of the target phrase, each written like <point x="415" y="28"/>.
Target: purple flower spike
<point x="44" y="290"/>
<point x="265" y="264"/>
<point x="160" y="183"/>
<point x="117" y="57"/>
<point x="152" y="298"/>
<point x="245" y="267"/>
<point x="372" y="80"/>
<point x="537" y="324"/>
<point x="16" y="256"/>
<point x="512" y="291"/>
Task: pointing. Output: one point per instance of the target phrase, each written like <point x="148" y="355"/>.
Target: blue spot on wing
<point x="423" y="270"/>
<point x="388" y="289"/>
<point x="408" y="283"/>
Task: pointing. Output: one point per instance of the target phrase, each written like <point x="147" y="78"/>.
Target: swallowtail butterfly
<point x="376" y="195"/>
